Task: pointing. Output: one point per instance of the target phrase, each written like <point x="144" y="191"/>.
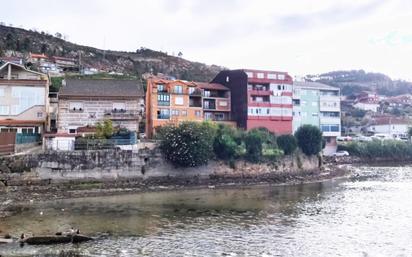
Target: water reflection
<point x="369" y="214"/>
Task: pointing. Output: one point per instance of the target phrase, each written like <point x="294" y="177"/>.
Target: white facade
<point x="394" y="130"/>
<point x="367" y="106"/>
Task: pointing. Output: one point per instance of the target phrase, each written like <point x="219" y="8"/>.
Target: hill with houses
<point x="17" y="42"/>
<point x="355" y="81"/>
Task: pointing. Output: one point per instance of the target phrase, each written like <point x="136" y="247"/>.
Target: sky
<point x="297" y="36"/>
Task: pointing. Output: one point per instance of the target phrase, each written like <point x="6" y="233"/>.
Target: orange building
<point x="173" y="101"/>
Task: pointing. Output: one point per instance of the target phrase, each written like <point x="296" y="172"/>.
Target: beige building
<point x="86" y="102"/>
<point x="23" y="100"/>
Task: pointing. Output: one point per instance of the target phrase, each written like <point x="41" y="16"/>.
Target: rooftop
<point x="314" y="85"/>
<point x="212" y="86"/>
<point x="101" y="88"/>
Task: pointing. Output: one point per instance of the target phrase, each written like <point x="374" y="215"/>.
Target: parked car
<point x="340" y="153"/>
<point x="344" y="138"/>
<point x="362" y="139"/>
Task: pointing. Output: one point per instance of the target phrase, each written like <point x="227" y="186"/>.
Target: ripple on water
<point x="369" y="215"/>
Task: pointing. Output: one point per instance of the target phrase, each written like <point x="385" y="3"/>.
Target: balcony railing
<point x="123" y="114"/>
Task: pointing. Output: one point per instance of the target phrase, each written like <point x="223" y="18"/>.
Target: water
<point x="370" y="215"/>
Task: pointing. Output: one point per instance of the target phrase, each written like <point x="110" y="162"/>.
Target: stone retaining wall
<point x="53" y="166"/>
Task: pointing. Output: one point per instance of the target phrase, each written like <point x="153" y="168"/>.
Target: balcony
<point x="195" y="102"/>
<point x="330" y="120"/>
<point x="123" y="114"/>
<point x="195" y="92"/>
<point x="255" y="92"/>
<point x="209" y="105"/>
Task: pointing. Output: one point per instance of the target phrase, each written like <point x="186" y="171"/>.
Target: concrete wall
<point x="94" y="111"/>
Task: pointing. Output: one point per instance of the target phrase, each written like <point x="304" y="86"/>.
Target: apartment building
<point x="318" y="105"/>
<point x="174" y="101"/>
<point x="84" y="102"/>
<point x="260" y="98"/>
<point x="23" y="100"/>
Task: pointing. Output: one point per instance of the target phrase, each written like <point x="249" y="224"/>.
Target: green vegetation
<point x="104" y="130"/>
<point x="253" y="143"/>
<point x="192" y="144"/>
<point x="287" y="143"/>
<point x="55" y="84"/>
<point x="309" y="139"/>
<point x="227" y="143"/>
<point x="188" y="145"/>
<point x="391" y="149"/>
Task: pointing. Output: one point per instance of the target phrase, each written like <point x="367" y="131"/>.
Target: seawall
<point x="143" y="164"/>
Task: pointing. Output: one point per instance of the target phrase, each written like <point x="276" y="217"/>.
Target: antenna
<point x="104" y="47"/>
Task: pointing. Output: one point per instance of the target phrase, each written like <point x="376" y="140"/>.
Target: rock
<point x="4" y="169"/>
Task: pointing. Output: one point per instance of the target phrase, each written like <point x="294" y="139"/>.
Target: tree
<point x="189" y="144"/>
<point x="227" y="142"/>
<point x="104" y="130"/>
<point x="254" y="145"/>
<point x="287" y="143"/>
<point x="309" y="139"/>
<point x="180" y="54"/>
<point x="58" y="35"/>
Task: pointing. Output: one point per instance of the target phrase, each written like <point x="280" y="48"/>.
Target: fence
<point x="27" y="138"/>
<point x="7" y="142"/>
<point x="99" y="144"/>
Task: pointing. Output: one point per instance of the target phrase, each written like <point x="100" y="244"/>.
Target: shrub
<point x="188" y="145"/>
<point x="227" y="142"/>
<point x="253" y="143"/>
<point x="267" y="137"/>
<point x="309" y="139"/>
<point x="392" y="149"/>
<point x="287" y="143"/>
<point x="104" y="130"/>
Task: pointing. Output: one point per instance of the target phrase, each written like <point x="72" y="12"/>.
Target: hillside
<point x="354" y="81"/>
<point x="19" y="42"/>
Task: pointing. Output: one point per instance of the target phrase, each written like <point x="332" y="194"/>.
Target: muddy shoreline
<point x="13" y="198"/>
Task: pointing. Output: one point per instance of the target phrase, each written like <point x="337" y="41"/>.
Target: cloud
<point x="326" y="17"/>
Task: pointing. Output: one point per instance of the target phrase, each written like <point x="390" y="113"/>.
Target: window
<point x="163" y="114"/>
<point x="197" y="113"/>
<point x="281" y="76"/>
<point x="272" y="76"/>
<point x="1" y="91"/>
<point x="175" y="112"/>
<point x="207" y="93"/>
<point x="27" y="97"/>
<point x="184" y="113"/>
<point x="208" y="116"/>
<point x="260" y="75"/>
<point x="259" y="99"/>
<point x="227" y="78"/>
<point x="315" y="114"/>
<point x="279" y="87"/>
<point x="191" y="90"/>
<point x="178" y="100"/>
<point x="249" y="74"/>
<point x="27" y="130"/>
<point x="163" y="99"/>
<point x="329" y="128"/>
<point x="314" y="104"/>
<point x="76" y="106"/>
<point x="119" y="107"/>
<point x="219" y="116"/>
<point x="268" y="111"/>
<point x="161" y="88"/>
<point x="4" y="110"/>
<point x="72" y="131"/>
<point x="39" y="115"/>
<point x="178" y="90"/>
